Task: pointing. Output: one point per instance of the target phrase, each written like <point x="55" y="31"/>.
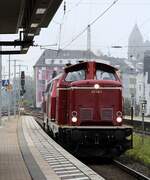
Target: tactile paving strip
<point x="65" y="165"/>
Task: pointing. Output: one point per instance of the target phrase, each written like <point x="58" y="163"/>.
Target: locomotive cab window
<point x="105" y="75"/>
<point x="75" y="76"/>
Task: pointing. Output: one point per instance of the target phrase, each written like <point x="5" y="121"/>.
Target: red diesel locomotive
<point x="83" y="109"/>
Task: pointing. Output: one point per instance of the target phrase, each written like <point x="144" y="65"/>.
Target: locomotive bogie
<point x="100" y="141"/>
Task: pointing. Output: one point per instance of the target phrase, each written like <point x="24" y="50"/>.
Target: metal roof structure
<point x="25" y="17"/>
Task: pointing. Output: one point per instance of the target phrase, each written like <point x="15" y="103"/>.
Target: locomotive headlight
<point x="74" y="116"/>
<point x="119" y="119"/>
<point x="96" y="86"/>
<point x="74" y="119"/>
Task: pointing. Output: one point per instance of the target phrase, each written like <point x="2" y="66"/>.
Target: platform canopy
<point x="26" y="17"/>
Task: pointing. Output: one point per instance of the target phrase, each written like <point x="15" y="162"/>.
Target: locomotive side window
<point x="47" y="89"/>
<point x="51" y="87"/>
<point x="104" y="75"/>
<point x="75" y="75"/>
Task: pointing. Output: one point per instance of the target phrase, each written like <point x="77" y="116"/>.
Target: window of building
<point x="132" y="81"/>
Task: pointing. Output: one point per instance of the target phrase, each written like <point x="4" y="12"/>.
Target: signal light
<point x="22" y="75"/>
<point x="22" y="91"/>
<point x="22" y="78"/>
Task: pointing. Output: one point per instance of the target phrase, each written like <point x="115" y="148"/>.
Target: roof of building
<point x="63" y="55"/>
<point x="52" y="58"/>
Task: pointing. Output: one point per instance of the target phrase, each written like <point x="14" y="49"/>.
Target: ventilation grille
<point x="107" y="114"/>
<point x="86" y="114"/>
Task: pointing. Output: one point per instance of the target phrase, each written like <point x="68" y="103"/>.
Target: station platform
<point x="138" y="118"/>
<point x="28" y="153"/>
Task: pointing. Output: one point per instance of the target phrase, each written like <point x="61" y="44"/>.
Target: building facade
<point x="146" y="80"/>
<point x="51" y="63"/>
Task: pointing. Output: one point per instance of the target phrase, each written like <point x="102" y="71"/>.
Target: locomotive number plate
<point x="96" y="91"/>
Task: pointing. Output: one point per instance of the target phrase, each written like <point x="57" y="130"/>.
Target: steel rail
<point x="123" y="167"/>
<point x="136" y="123"/>
<point x="137" y="126"/>
<point x="131" y="171"/>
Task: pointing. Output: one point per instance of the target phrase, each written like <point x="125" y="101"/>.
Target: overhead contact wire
<point x="104" y="12"/>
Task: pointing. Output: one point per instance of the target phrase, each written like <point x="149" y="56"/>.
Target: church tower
<point x="135" y="45"/>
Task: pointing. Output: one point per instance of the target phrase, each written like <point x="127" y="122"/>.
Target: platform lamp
<point x="0" y="88"/>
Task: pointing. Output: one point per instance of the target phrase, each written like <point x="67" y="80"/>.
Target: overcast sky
<point x="112" y="29"/>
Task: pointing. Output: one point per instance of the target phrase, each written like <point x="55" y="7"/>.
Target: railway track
<point x="131" y="171"/>
<point x="117" y="171"/>
<point x="141" y="132"/>
<point x="111" y="171"/>
<point x="66" y="166"/>
<point x="138" y="125"/>
<point x="5" y="113"/>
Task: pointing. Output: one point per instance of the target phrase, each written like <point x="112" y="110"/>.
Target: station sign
<point x="5" y="82"/>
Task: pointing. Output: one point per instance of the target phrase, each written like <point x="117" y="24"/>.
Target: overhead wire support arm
<point x="16" y="43"/>
<point x="19" y="42"/>
<point x="9" y="52"/>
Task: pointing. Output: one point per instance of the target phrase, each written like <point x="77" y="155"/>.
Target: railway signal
<point x="22" y="82"/>
<point x="22" y="78"/>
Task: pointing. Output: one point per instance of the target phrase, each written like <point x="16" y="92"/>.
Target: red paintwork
<point x="93" y="106"/>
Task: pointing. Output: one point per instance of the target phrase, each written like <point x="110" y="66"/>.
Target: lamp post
<point x="143" y="107"/>
<point x="9" y="96"/>
<point x="14" y="86"/>
<point x="0" y="88"/>
<point x="132" y="109"/>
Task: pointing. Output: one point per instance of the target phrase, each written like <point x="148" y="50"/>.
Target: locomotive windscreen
<point x="75" y="75"/>
<point x="100" y="74"/>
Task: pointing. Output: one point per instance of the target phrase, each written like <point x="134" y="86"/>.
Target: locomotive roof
<point x="84" y="66"/>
